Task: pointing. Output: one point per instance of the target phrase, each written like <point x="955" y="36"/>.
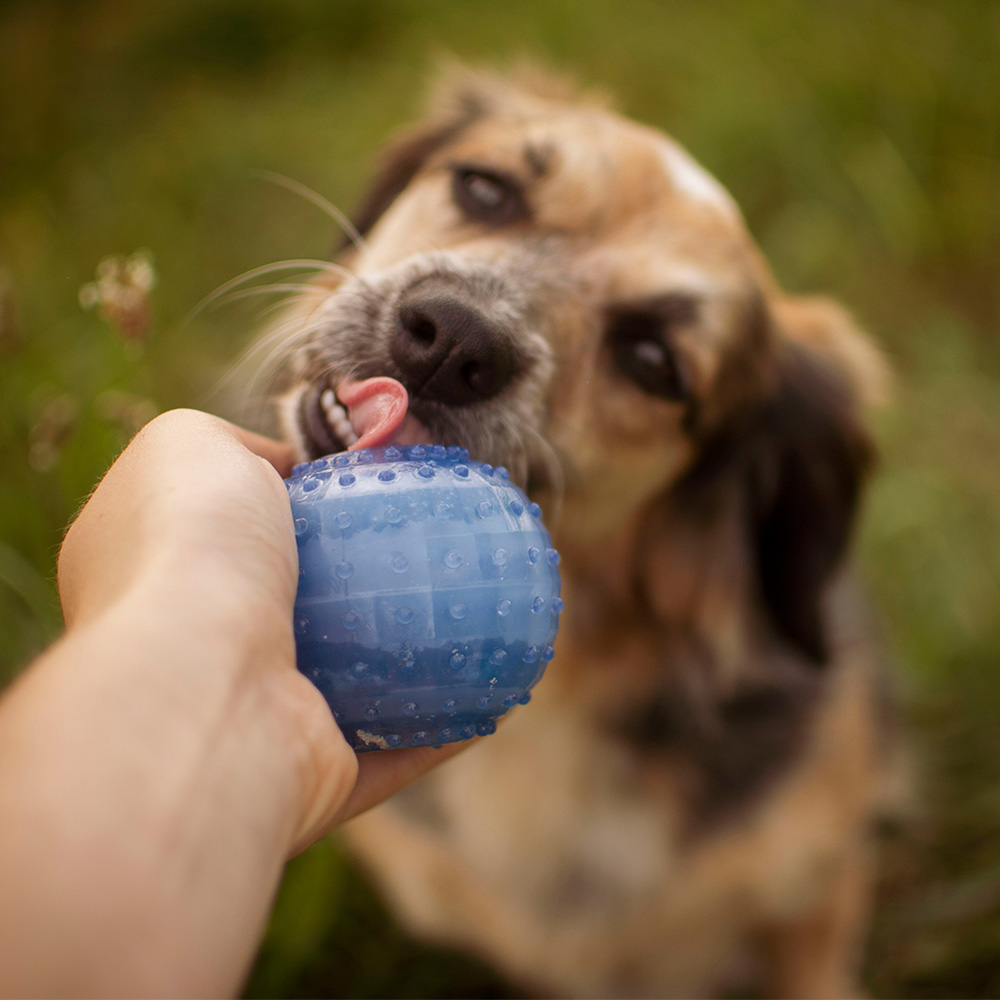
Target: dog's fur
<point x="688" y="795"/>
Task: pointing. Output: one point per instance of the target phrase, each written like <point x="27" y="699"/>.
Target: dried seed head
<point x="121" y="293"/>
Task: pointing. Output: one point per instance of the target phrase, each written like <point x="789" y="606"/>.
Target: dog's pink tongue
<point x="377" y="408"/>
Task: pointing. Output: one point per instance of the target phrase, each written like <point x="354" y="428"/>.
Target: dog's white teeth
<point x="337" y="418"/>
<point x="335" y="412"/>
<point x="344" y="431"/>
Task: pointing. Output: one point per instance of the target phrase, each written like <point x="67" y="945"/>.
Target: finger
<point x="279" y="454"/>
<point x="385" y="773"/>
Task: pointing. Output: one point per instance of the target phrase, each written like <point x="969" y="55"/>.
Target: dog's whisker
<point x="274" y="349"/>
<point x="284" y="350"/>
<point x="553" y="472"/>
<point x="282" y="341"/>
<point x="271" y="289"/>
<point x="296" y="187"/>
<point x="275" y="307"/>
<point x="302" y="264"/>
<point x="284" y="336"/>
<point x="288" y="333"/>
<point x="333" y="370"/>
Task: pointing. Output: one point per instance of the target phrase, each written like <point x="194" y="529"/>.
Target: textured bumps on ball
<point x="428" y="599"/>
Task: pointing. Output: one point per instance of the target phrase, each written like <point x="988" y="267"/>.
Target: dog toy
<point x="428" y="597"/>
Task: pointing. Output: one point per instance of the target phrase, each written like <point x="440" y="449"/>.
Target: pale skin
<point x="162" y="761"/>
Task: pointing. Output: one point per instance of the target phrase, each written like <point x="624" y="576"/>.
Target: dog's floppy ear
<point x="803" y="486"/>
<point x="781" y="479"/>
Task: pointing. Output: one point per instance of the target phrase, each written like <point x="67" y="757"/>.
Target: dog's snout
<point x="449" y="352"/>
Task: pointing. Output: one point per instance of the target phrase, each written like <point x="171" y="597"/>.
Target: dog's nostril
<point x="480" y="377"/>
<point x="449" y="352"/>
<point x="418" y="325"/>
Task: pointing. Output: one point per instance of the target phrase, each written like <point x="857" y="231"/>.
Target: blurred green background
<point x="860" y="138"/>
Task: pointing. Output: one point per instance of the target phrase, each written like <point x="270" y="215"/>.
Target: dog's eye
<point x="652" y="366"/>
<point x="487" y="196"/>
<point x="641" y="354"/>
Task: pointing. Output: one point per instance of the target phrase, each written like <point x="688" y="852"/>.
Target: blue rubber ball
<point x="428" y="599"/>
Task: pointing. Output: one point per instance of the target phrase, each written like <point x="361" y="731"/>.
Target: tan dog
<point x="688" y="796"/>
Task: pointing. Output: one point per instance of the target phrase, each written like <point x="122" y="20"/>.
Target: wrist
<point x="157" y="767"/>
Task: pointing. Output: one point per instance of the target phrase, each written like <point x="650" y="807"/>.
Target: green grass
<point x="862" y="140"/>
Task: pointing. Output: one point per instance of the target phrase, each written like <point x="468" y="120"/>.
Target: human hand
<point x="192" y="525"/>
<point x="160" y="762"/>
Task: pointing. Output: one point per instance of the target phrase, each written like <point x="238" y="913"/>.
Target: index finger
<point x="278" y="453"/>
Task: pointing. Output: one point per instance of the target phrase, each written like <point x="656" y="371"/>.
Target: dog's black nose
<point x="449" y="352"/>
